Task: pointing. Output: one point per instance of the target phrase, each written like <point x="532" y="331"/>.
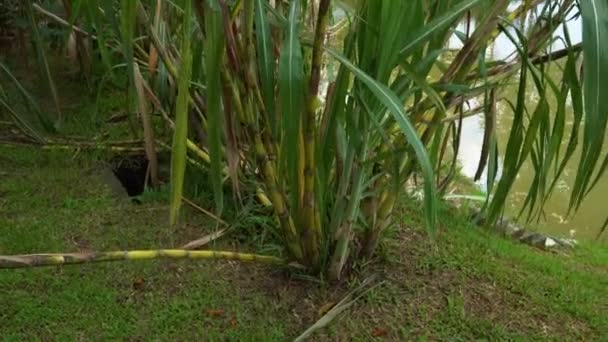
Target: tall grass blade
<point x="392" y="103"/>
<point x="266" y="62"/>
<point x="570" y="78"/>
<point x="28" y="101"/>
<point x="146" y="119"/>
<point x="44" y="64"/>
<point x="127" y="30"/>
<point x="488" y="133"/>
<point x="153" y="52"/>
<point x="180" y="134"/>
<point x="19" y="120"/>
<point x="521" y="139"/>
<point x="437" y="24"/>
<point x="214" y="47"/>
<point x="595" y="87"/>
<point x="96" y="19"/>
<point x="291" y="87"/>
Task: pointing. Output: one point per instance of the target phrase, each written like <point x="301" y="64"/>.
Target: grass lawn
<point x="465" y="285"/>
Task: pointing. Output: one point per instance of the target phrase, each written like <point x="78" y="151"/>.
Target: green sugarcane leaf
<point x="20" y="121"/>
<point x="392" y="103"/>
<point x="96" y="19"/>
<point x="573" y="84"/>
<point x="437" y="24"/>
<point x="127" y="30"/>
<point x="266" y="62"/>
<point x="28" y="100"/>
<point x="511" y="156"/>
<point x="595" y="88"/>
<point x="45" y="67"/>
<point x="180" y="134"/>
<point x="291" y="87"/>
<point x="214" y="47"/>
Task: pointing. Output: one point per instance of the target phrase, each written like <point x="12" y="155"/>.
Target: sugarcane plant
<point x="328" y="110"/>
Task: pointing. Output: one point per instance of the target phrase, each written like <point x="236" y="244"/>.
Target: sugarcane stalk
<point x="76" y="146"/>
<point x="310" y="217"/>
<point x="147" y="125"/>
<point x="56" y="259"/>
<point x="246" y="105"/>
<point x="384" y="215"/>
<point x="153" y="54"/>
<point x="278" y="200"/>
<point x="166" y="58"/>
<point x="163" y="54"/>
<point x="246" y="115"/>
<point x="249" y="47"/>
<point x="344" y="234"/>
<point x="264" y="200"/>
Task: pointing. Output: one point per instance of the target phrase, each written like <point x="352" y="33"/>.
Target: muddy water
<point x="584" y="224"/>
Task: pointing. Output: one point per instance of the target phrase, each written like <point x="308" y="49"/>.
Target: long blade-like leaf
<point x="146" y="120"/>
<point x="595" y="88"/>
<point x="291" y="86"/>
<point x="266" y="61"/>
<point x="437" y="24"/>
<point x="180" y="135"/>
<point x="42" y="59"/>
<point x="214" y="47"/>
<point x="20" y="121"/>
<point x="390" y="100"/>
<point x="96" y="19"/>
<point x="28" y="100"/>
<point x="127" y="30"/>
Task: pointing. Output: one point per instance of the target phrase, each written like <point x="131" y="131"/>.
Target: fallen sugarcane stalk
<point x="56" y="259"/>
<point x="76" y="146"/>
<point x="82" y="140"/>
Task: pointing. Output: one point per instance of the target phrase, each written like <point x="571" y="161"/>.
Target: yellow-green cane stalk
<point x="56" y="259"/>
<point x="310" y="216"/>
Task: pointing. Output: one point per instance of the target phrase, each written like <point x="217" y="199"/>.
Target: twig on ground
<point x="204" y="211"/>
<point x="194" y="244"/>
<point x="346" y="302"/>
<point x="61" y="21"/>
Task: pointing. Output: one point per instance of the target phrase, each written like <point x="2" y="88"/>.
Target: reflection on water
<point x="586" y="222"/>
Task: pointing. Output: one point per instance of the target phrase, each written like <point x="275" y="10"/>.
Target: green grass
<point x="466" y="285"/>
<point x="51" y="203"/>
